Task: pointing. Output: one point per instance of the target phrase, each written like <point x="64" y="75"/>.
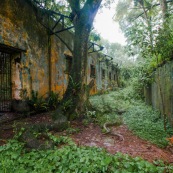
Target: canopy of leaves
<point x="147" y="33"/>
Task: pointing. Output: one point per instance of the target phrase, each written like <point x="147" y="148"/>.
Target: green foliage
<point x="90" y="117"/>
<point x="70" y="158"/>
<point x="117" y="51"/>
<point x="147" y="35"/>
<point x="66" y="105"/>
<point x="147" y="124"/>
<point x="42" y="104"/>
<point x="59" y="140"/>
<point x="53" y="100"/>
<point x="102" y="91"/>
<point x="111" y="118"/>
<point x="108" y="103"/>
<point x="94" y="36"/>
<point x="74" y="85"/>
<point x="71" y="130"/>
<point x="90" y="114"/>
<point x="137" y="84"/>
<point x="137" y="77"/>
<point x="100" y="118"/>
<point x="164" y="42"/>
<point x="38" y="104"/>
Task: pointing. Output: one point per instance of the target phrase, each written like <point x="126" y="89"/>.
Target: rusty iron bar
<point x="95" y="47"/>
<point x="53" y="13"/>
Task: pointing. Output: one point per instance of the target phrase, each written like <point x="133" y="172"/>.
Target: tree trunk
<point x="148" y="21"/>
<point x="164" y="8"/>
<point x="77" y="88"/>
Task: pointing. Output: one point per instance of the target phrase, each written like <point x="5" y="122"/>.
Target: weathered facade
<point x="160" y="93"/>
<point x="33" y="59"/>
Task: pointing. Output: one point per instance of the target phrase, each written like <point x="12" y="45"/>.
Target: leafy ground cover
<point x="70" y="158"/>
<point x="147" y="124"/>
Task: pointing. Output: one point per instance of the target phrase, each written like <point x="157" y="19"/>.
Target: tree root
<point x="108" y="131"/>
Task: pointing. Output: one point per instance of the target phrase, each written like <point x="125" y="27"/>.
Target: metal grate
<point x="5" y="82"/>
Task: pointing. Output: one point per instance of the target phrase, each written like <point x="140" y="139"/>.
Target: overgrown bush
<point x="38" y="104"/>
<point x="53" y="100"/>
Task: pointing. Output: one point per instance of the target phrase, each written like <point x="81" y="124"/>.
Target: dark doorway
<point x="5" y="82"/>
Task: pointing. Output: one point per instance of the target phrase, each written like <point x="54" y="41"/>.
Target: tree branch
<point x="148" y="7"/>
<point x="68" y="47"/>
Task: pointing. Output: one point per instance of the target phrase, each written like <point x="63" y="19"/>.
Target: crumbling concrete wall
<point x="160" y="93"/>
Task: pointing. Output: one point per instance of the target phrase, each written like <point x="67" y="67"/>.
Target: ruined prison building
<point x="34" y="55"/>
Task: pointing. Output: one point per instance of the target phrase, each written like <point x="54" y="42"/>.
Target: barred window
<point x="110" y="76"/>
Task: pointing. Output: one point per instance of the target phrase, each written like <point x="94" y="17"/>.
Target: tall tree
<point x="82" y="17"/>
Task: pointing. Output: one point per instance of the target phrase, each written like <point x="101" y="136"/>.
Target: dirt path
<point x="132" y="145"/>
<point x="91" y="135"/>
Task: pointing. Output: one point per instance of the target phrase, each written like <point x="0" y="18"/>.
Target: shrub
<point x="42" y="104"/>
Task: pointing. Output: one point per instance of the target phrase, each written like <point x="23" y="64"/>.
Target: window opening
<point x="103" y="74"/>
<point x="68" y="64"/>
<point x="93" y="71"/>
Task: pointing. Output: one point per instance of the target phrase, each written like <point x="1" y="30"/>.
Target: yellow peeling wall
<point x="20" y="29"/>
<point x="58" y="67"/>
